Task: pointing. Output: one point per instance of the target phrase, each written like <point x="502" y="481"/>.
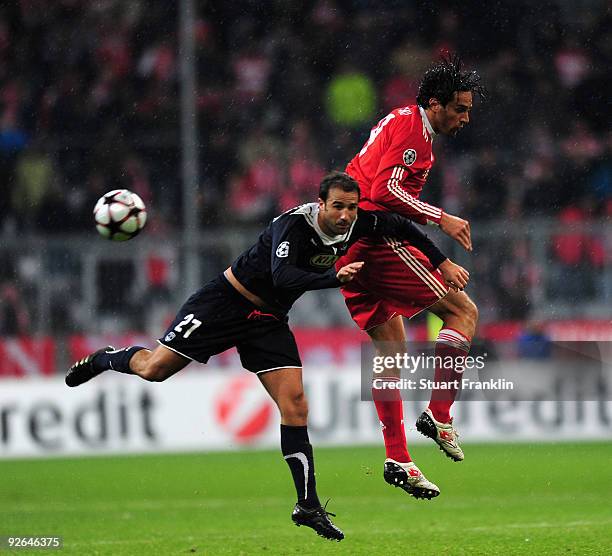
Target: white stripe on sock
<point x="301" y="456"/>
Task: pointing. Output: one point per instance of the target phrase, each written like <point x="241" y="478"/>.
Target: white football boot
<point x="443" y="434"/>
<point x="408" y="477"/>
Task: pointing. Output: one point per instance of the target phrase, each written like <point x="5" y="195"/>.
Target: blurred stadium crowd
<point x="89" y="102"/>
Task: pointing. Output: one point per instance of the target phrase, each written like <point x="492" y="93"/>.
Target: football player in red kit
<point x="397" y="279"/>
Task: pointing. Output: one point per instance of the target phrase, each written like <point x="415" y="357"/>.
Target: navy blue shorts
<point x="217" y="318"/>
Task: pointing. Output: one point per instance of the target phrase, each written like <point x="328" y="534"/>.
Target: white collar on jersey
<point x="310" y="212"/>
<point x="426" y="122"/>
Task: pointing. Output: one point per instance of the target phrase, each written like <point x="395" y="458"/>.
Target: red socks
<point x="391" y="414"/>
<point x="452" y="347"/>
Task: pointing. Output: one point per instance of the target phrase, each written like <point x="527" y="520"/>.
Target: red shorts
<point x="397" y="278"/>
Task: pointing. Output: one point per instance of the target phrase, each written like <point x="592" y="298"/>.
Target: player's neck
<point x="428" y="117"/>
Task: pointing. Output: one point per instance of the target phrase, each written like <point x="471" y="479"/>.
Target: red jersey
<point x="393" y="165"/>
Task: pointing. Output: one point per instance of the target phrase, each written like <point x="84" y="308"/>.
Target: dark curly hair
<point x="337" y="179"/>
<point x="446" y="77"/>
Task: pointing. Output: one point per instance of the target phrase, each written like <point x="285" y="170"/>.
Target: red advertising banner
<point x="23" y="356"/>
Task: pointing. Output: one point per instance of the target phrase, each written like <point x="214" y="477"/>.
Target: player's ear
<point x="434" y="104"/>
<point x="321" y="204"/>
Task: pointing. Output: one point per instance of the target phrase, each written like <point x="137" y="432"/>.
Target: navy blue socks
<point x="118" y="360"/>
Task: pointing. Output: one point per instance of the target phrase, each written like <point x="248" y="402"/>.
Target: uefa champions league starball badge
<point x="409" y="157"/>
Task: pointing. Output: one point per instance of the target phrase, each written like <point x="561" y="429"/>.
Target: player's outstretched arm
<point x="458" y="229"/>
<point x="348" y="272"/>
<point x="383" y="224"/>
<point x="455" y="276"/>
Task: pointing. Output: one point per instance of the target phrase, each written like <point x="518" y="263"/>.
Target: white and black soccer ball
<point x="120" y="215"/>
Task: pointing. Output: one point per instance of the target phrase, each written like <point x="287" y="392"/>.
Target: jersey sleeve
<point x="381" y="224"/>
<point x="287" y="238"/>
<point x="387" y="190"/>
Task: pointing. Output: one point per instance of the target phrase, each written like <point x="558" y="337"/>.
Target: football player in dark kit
<point x="246" y="306"/>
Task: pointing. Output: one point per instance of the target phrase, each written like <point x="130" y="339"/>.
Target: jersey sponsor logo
<point x="409" y="157"/>
<point x="324" y="260"/>
<point x="405" y="111"/>
<point x="282" y="250"/>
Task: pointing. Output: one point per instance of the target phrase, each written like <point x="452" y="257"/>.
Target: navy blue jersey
<point x="293" y="255"/>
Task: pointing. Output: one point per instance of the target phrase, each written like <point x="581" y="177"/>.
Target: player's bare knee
<point x="469" y="314"/>
<point x="458" y="310"/>
<point x="472" y="312"/>
<point x="294" y="407"/>
<point x="300" y="406"/>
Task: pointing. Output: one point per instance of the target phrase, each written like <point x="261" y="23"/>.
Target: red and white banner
<point x="21" y="357"/>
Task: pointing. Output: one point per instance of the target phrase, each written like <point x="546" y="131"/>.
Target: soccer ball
<point x="120" y="215"/>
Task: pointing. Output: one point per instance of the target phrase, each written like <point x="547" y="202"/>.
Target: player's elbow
<point x="378" y="195"/>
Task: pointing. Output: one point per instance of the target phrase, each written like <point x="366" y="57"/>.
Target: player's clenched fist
<point x="454" y="275"/>
<point x="458" y="229"/>
<point x="348" y="272"/>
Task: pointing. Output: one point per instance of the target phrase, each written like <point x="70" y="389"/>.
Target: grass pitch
<point x="504" y="499"/>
